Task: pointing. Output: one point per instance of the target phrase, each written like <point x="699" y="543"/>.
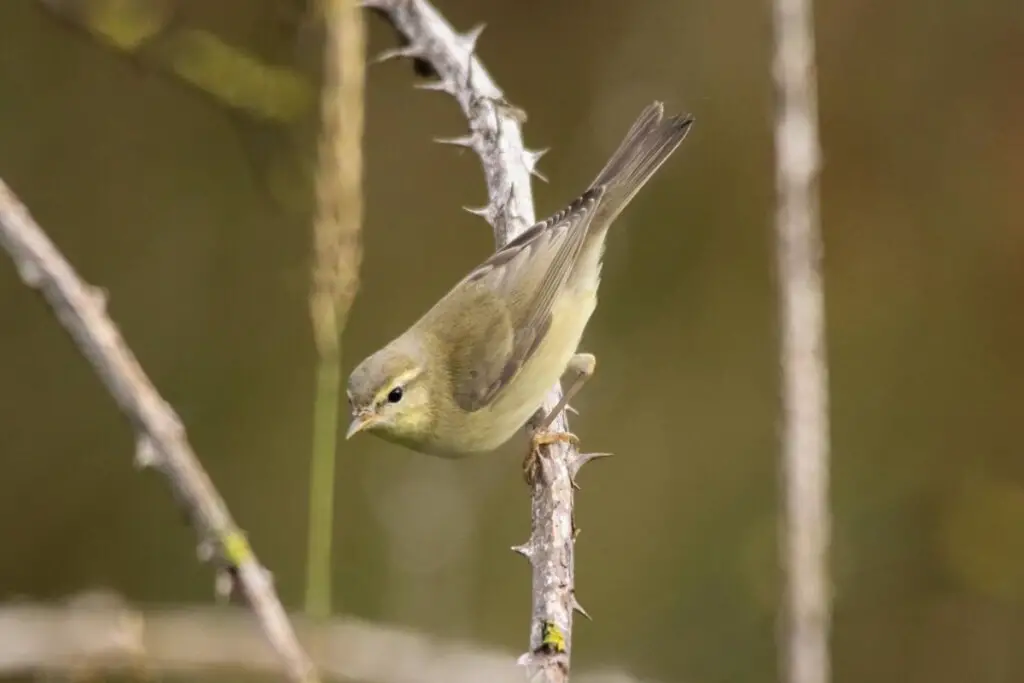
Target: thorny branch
<point x="161" y="440"/>
<point x="496" y="137"/>
<point x="804" y="366"/>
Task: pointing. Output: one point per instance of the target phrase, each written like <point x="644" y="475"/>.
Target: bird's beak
<point x="360" y="422"/>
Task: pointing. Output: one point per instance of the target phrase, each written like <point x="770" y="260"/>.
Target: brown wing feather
<point x="478" y="336"/>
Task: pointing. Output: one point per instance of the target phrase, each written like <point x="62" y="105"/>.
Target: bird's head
<point x="389" y="395"/>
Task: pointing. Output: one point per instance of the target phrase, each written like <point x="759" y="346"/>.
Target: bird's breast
<point x="518" y="401"/>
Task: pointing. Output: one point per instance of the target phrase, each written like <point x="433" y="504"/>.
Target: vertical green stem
<point x="337" y="253"/>
<point x="321" y="485"/>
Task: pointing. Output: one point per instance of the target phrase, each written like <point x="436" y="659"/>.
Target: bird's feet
<point x="533" y="468"/>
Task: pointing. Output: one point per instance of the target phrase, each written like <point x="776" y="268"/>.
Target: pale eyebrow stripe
<point x="401" y="380"/>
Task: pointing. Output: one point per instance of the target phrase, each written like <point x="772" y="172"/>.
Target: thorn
<point x="526" y="550"/>
<point x="468" y="39"/>
<point x="576" y="533"/>
<point x="530" y="159"/>
<point x="577" y="607"/>
<point x="206" y="550"/>
<point x="569" y="409"/>
<point x="577" y="463"/>
<point x="485" y="212"/>
<point x="31" y="274"/>
<point x="536" y="154"/>
<point x="224" y="585"/>
<point x="437" y="86"/>
<point x="146" y="453"/>
<point x="461" y="141"/>
<point x="403" y="52"/>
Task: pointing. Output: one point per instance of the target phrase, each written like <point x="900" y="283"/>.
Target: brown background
<point x="161" y="195"/>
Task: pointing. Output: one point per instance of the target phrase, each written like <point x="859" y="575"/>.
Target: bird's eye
<point x="395" y="395"/>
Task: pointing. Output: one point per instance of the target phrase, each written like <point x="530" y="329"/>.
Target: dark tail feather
<point x="647" y="145"/>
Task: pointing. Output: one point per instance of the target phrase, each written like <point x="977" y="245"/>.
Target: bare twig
<point x="162" y="443"/>
<point x="496" y="136"/>
<point x="337" y="256"/>
<point x="804" y="366"/>
<point x="99" y="632"/>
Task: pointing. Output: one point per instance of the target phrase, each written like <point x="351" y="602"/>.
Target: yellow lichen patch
<point x="236" y="548"/>
<point x="551" y="638"/>
<point x="981" y="536"/>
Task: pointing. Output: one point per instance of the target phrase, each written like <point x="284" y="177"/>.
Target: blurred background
<point x="193" y="211"/>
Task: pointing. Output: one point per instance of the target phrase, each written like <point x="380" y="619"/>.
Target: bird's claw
<point x="533" y="465"/>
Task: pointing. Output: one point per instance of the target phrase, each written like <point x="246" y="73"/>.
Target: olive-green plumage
<point x="470" y="373"/>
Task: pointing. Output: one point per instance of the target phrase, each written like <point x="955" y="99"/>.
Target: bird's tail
<point x="647" y="145"/>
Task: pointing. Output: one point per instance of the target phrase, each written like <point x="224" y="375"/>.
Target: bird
<point x="476" y="367"/>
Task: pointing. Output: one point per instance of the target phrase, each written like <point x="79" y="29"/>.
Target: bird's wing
<point x="522" y="280"/>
